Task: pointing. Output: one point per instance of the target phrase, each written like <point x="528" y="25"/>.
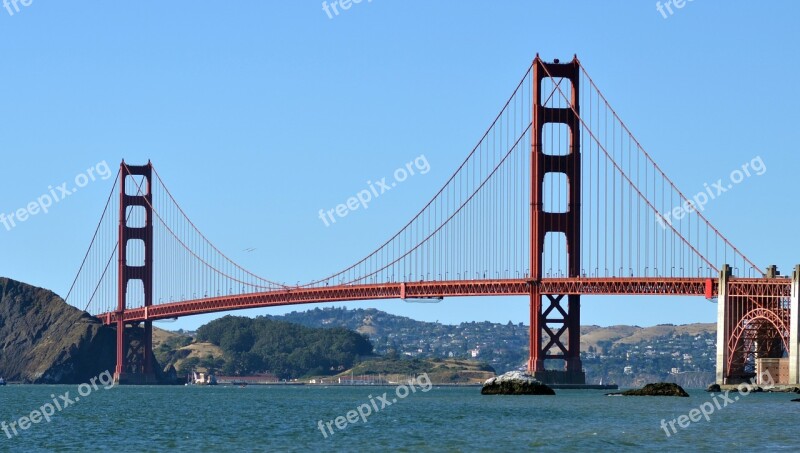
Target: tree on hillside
<point x="284" y="349"/>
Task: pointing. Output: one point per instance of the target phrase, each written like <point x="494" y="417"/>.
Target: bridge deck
<point x="706" y="287"/>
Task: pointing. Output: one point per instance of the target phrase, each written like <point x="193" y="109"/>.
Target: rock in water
<point x="714" y="388"/>
<point x="658" y="389"/>
<point x="515" y="383"/>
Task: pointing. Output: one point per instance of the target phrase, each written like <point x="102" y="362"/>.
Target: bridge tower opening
<point x="557" y="321"/>
<point x="135" y="358"/>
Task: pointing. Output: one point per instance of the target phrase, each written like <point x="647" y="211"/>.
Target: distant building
<point x="203" y="379"/>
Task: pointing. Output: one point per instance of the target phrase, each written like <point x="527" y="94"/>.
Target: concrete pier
<point x="794" y="329"/>
<point x="722" y="325"/>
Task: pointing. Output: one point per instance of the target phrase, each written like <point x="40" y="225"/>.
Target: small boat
<point x="2" y="381"/>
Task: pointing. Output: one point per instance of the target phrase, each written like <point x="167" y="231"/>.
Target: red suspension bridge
<point x="557" y="200"/>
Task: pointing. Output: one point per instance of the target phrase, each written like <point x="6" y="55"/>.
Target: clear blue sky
<point x="260" y="113"/>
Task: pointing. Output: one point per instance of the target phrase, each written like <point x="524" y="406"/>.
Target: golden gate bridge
<point x="557" y="200"/>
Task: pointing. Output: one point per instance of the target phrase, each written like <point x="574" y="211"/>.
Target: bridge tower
<point x="135" y="367"/>
<point x="553" y="319"/>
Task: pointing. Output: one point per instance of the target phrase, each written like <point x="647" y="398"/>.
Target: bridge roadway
<point x="706" y="287"/>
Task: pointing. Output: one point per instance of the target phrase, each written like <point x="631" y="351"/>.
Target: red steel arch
<point x="752" y="323"/>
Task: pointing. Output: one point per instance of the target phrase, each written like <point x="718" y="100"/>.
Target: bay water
<point x="303" y="418"/>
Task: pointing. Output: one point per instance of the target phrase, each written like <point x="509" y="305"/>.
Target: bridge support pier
<point x="794" y="329"/>
<point x="135" y="367"/>
<point x="723" y="311"/>
<point x="554" y="321"/>
<point x="535" y="361"/>
<point x="757" y="329"/>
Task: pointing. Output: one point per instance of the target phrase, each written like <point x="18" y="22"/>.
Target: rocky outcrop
<point x="714" y="388"/>
<point x="657" y="389"/>
<point x="515" y="383"/>
<point x="43" y="340"/>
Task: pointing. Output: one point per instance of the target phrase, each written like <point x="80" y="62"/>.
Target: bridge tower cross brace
<point x="140" y="372"/>
<point x="552" y="319"/>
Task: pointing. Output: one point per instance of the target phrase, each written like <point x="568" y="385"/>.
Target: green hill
<point x="287" y="350"/>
